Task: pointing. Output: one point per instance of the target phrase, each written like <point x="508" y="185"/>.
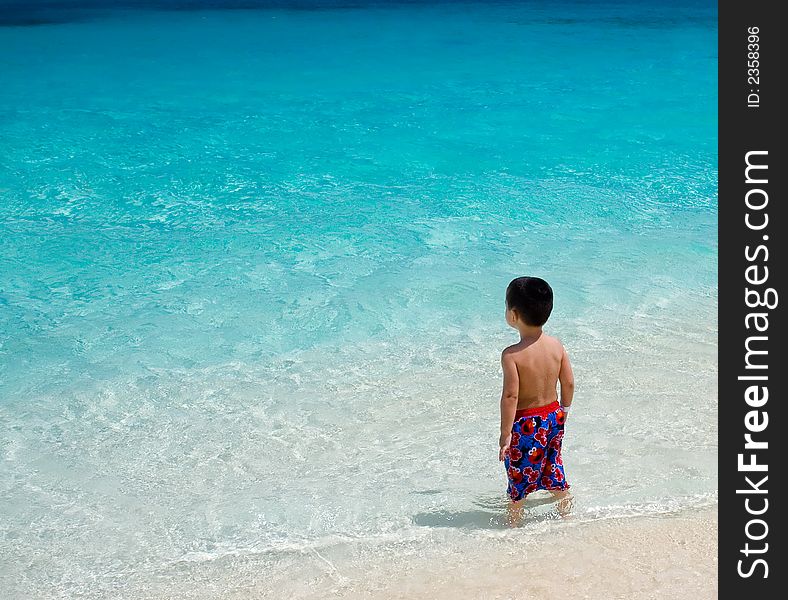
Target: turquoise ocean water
<point x="252" y="266"/>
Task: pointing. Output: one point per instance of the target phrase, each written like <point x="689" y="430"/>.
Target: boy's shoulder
<point x="554" y="346"/>
<point x="549" y="343"/>
<point x="509" y="351"/>
<point x="552" y="340"/>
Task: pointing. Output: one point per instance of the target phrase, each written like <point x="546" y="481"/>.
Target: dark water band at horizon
<point x="20" y="13"/>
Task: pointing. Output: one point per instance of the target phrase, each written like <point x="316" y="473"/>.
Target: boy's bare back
<point x="539" y="364"/>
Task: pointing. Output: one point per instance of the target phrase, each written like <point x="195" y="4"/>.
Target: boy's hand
<point x="504" y="442"/>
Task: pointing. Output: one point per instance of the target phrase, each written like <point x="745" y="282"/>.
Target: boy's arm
<point x="567" y="379"/>
<point x="511" y="389"/>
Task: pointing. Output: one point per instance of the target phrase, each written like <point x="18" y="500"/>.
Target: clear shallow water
<point x="252" y="268"/>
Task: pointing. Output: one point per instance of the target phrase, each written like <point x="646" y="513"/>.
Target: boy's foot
<point x="564" y="502"/>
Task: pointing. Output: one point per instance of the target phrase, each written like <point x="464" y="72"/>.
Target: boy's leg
<point x="514" y="513"/>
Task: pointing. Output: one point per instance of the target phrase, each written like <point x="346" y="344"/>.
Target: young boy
<point x="532" y="421"/>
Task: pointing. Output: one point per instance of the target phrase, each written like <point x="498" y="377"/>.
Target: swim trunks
<point x="533" y="461"/>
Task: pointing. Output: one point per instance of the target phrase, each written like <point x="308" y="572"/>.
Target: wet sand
<point x="673" y="556"/>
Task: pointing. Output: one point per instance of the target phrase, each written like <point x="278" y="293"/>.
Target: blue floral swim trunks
<point x="533" y="461"/>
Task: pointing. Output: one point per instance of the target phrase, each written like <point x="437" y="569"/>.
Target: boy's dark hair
<point x="531" y="298"/>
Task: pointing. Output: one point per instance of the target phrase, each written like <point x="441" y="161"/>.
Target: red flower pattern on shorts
<point x="541" y="436"/>
<point x="538" y="439"/>
<point x="531" y="474"/>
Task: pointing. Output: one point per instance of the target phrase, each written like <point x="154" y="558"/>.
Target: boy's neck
<point x="529" y="333"/>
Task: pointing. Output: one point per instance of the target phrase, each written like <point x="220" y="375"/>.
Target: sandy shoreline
<point x="673" y="556"/>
